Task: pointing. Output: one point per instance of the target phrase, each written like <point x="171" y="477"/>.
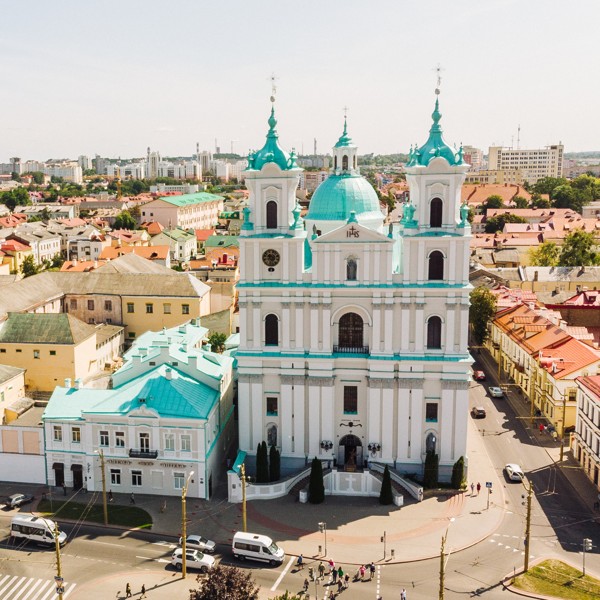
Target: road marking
<point x="15" y="577"/>
<point x="33" y="589"/>
<point x="282" y="575"/>
<point x="25" y="588"/>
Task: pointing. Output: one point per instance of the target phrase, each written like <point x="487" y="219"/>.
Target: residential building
<point x="585" y="443"/>
<point x="358" y="330"/>
<point x="183" y="188"/>
<point x="44" y="244"/>
<point x="533" y="164"/>
<point x="14" y="253"/>
<point x="485" y="176"/>
<point x="473" y="156"/>
<point x="85" y="162"/>
<point x="12" y="388"/>
<point x="189" y="211"/>
<point x="159" y="254"/>
<point x="311" y="180"/>
<point x="51" y="347"/>
<point x="170" y="412"/>
<point x="182" y="244"/>
<point x="55" y="211"/>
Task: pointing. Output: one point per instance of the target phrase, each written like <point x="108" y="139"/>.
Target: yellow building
<point x="12" y="387"/>
<point x="53" y="347"/>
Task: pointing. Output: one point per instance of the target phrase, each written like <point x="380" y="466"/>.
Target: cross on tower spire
<point x="438" y="71"/>
<point x="273" y="79"/>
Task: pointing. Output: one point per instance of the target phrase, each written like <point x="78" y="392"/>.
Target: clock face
<point x="271" y="257"/>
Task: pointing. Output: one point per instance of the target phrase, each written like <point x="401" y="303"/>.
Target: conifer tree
<point x="262" y="463"/>
<point x="316" y="487"/>
<point x="458" y="473"/>
<point x="274" y="464"/>
<point x="430" y="474"/>
<point x="386" y="496"/>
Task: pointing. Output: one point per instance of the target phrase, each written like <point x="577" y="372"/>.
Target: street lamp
<point x="100" y="453"/>
<point x="443" y="560"/>
<point x="184" y="490"/>
<point x="323" y="530"/>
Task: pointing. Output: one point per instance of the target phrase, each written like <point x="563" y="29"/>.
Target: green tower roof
<point x="271" y="152"/>
<point x="345" y="139"/>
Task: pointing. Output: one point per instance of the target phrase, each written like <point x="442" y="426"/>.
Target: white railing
<point x="415" y="490"/>
<point x="262" y="491"/>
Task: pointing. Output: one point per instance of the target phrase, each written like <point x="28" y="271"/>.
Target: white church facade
<point x="354" y="334"/>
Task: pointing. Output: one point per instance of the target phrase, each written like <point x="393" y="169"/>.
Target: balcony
<point x="138" y="453"/>
<point x="351" y="349"/>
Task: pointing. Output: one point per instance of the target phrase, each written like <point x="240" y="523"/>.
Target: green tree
<point x="217" y="341"/>
<point x="493" y="201"/>
<point x="538" y="202"/>
<point x="17" y="197"/>
<point x="546" y="185"/>
<point x="385" y="495"/>
<point x="481" y="312"/>
<point x="544" y="255"/>
<point x="521" y="202"/>
<point x="135" y="211"/>
<point x="57" y="262"/>
<point x="124" y="220"/>
<point x="225" y="583"/>
<point x="497" y="223"/>
<point x="38" y="177"/>
<point x="274" y="464"/>
<point x="579" y="250"/>
<point x="28" y="267"/>
<point x="316" y="486"/>
<point x="564" y="196"/>
<point x="15" y="176"/>
<point x="262" y="463"/>
<point x="430" y="472"/>
<point x="458" y="474"/>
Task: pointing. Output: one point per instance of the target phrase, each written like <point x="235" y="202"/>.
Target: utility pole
<point x="184" y="490"/>
<point x="104" y="505"/>
<point x="528" y="529"/>
<point x="59" y="578"/>
<point x="243" y="478"/>
<point x="442" y="567"/>
<point x="562" y="427"/>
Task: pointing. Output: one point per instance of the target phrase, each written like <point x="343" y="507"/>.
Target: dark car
<point x="478" y="412"/>
<point x="17" y="500"/>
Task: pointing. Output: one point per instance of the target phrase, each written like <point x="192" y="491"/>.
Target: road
<point x="97" y="557"/>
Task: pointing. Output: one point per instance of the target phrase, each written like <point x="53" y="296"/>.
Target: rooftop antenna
<point x="519" y="137"/>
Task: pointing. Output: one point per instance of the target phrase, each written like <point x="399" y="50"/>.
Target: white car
<point x="194" y="559"/>
<point x="514" y="472"/>
<point x="197" y="542"/>
<point x="496" y="392"/>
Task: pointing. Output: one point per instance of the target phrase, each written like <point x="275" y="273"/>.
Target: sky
<point x="115" y="77"/>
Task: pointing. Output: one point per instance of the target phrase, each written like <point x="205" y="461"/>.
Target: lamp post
<point x="100" y="453"/>
<point x="184" y="490"/>
<point x="562" y="427"/>
<point x="443" y="558"/>
<point x="323" y="530"/>
<point x="243" y="479"/>
<point x="527" y="529"/>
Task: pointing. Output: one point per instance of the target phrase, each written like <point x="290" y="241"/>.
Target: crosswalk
<point x="14" y="587"/>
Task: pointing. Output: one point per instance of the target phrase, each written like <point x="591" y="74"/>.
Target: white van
<point x="36" y="529"/>
<point x="257" y="547"/>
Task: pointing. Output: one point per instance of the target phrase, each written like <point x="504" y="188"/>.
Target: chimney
<point x="168" y="374"/>
<point x="77" y="385"/>
<point x="68" y="382"/>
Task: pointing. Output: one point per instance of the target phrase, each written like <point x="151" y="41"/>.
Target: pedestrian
<point x="334" y="575"/>
<point x="143" y="591"/>
<point x="362" y="572"/>
<point x="472" y="489"/>
<point x="300" y="563"/>
<point x="321" y="570"/>
<point x="64" y="490"/>
<point x="127" y="591"/>
<point x="371" y="571"/>
<point x="132" y="499"/>
<point x="541" y="428"/>
<point x="346" y="580"/>
<point x="340" y="586"/>
<point x="340" y="573"/>
<point x="403" y="594"/>
<point x="331" y="565"/>
<point x="306" y="584"/>
<point x="311" y="573"/>
<point x="110" y="496"/>
<point x="478" y="488"/>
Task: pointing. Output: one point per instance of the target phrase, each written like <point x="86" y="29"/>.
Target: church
<point x="354" y="332"/>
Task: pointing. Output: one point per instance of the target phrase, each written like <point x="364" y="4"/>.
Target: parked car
<point x="197" y="542"/>
<point x="17" y="500"/>
<point x="514" y="472"/>
<point x="496" y="392"/>
<point x="194" y="559"/>
<point x="478" y="412"/>
<point x="478" y="375"/>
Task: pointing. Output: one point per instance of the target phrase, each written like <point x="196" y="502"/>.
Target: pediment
<point x="352" y="233"/>
<point x="143" y="411"/>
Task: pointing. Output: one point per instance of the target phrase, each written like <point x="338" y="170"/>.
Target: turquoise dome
<point x="339" y="195"/>
<point x="435" y="146"/>
<point x="271" y="152"/>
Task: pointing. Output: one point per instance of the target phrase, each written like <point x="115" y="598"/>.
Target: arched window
<point x="271" y="214"/>
<point x="430" y="442"/>
<point x="351" y="268"/>
<point x="271" y="434"/>
<point x="271" y="330"/>
<point x="345" y="162"/>
<point x="434" y="333"/>
<point x="436" y="266"/>
<point x="351" y="331"/>
<point x="435" y="212"/>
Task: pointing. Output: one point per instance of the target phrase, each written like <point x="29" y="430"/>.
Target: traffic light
<point x="587" y="544"/>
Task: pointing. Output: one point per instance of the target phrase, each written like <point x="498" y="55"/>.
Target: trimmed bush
<point x="262" y="463"/>
<point x="458" y="473"/>
<point x="274" y="464"/>
<point x="316" y="487"/>
<point x="430" y="474"/>
<point x="386" y="496"/>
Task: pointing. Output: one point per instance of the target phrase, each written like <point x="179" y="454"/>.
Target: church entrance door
<point x="350" y="453"/>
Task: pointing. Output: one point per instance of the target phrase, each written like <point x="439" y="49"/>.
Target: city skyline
<point x="119" y="80"/>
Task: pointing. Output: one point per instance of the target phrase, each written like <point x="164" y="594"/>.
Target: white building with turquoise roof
<point x="354" y="336"/>
<point x="170" y="413"/>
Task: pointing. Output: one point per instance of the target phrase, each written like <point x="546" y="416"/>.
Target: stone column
<point x="256" y="325"/>
<point x="450" y="326"/>
<point x="327" y="345"/>
<point x="405" y="308"/>
<point x="388" y="339"/>
<point x="287" y="401"/>
<point x="300" y="343"/>
<point x="314" y="324"/>
<point x="285" y="325"/>
<point x="376" y="341"/>
<point x="420" y="331"/>
<point x="417" y="421"/>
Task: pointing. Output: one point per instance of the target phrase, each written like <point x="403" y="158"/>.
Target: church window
<point x="271" y="214"/>
<point x="345" y="162"/>
<point x="351" y="331"/>
<point x="351" y="269"/>
<point x="435" y="212"/>
<point x="434" y="333"/>
<point x="436" y="266"/>
<point x="272" y="407"/>
<point x="271" y="434"/>
<point x="271" y="330"/>
<point x="430" y="442"/>
<point x="431" y="412"/>
<point x="350" y="400"/>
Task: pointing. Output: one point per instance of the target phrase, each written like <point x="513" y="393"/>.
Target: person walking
<point x="472" y="489"/>
<point x="64" y="490"/>
<point x="132" y="499"/>
<point x="110" y="496"/>
<point x="334" y="574"/>
<point x="340" y="585"/>
<point x="362" y="572"/>
<point x="321" y="570"/>
<point x="143" y="592"/>
<point x="340" y="573"/>
<point x="331" y="565"/>
<point x="128" y="591"/>
<point x="371" y="571"/>
<point x="403" y="594"/>
<point x="478" y="488"/>
<point x="300" y="563"/>
<point x="346" y="580"/>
